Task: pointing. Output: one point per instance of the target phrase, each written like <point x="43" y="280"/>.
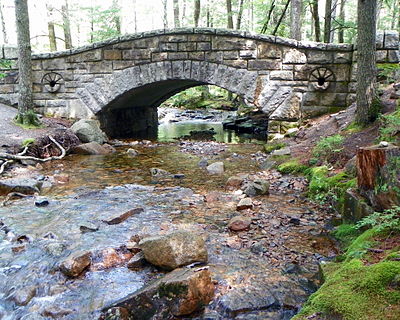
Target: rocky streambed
<point x="75" y="252"/>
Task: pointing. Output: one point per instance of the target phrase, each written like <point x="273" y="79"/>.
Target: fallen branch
<point x="22" y="157"/>
<point x="6" y="163"/>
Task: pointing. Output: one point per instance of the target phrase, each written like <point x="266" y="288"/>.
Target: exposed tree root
<point x="9" y="158"/>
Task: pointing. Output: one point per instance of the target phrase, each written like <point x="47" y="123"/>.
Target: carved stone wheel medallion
<point x="321" y="78"/>
<point x="52" y="81"/>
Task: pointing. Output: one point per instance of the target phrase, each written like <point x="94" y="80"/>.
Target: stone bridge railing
<point x="125" y="79"/>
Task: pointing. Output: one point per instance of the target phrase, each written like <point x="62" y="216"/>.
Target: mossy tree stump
<point x="378" y="175"/>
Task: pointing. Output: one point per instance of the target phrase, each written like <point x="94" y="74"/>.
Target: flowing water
<point x="264" y="273"/>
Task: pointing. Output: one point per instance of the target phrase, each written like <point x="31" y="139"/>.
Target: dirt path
<point x="11" y="134"/>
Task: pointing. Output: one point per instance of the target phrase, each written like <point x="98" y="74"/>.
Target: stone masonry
<point x="122" y="81"/>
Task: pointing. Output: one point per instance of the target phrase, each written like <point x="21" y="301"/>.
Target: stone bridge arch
<point x="286" y="79"/>
<point x="126" y="102"/>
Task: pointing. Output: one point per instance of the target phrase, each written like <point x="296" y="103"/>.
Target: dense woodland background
<point x="62" y="24"/>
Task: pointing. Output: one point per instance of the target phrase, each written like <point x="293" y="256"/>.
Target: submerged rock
<point x="76" y="263"/>
<point x="91" y="148"/>
<point x="239" y="223"/>
<point x="89" y="130"/>
<point x="216" y="168"/>
<point x="181" y="292"/>
<point x="23" y="295"/>
<point x="174" y="250"/>
<point x="156" y="172"/>
<point x="25" y="186"/>
<point x="132" y="152"/>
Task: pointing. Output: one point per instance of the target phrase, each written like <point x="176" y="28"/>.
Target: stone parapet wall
<point x="280" y="76"/>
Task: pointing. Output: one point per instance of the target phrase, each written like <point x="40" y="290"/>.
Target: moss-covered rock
<point x="293" y="166"/>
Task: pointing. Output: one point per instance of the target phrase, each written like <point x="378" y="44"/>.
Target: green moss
<point x="393" y="256"/>
<point x="274" y="146"/>
<point x="27" y="120"/>
<point x="327" y="148"/>
<point x="358" y="248"/>
<point x="353" y="127"/>
<point x="345" y="233"/>
<point x="28" y="142"/>
<point x="353" y="291"/>
<point x="172" y="290"/>
<point x="293" y="166"/>
<point x="325" y="189"/>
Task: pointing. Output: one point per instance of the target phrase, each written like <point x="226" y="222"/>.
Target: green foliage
<point x="293" y="166"/>
<point x="202" y="97"/>
<point x="353" y="291"/>
<point x="104" y="23"/>
<point x="325" y="189"/>
<point x="386" y="220"/>
<point x="4" y="64"/>
<point x="269" y="147"/>
<point x="353" y="127"/>
<point x="375" y="110"/>
<point x="358" y="248"/>
<point x="390" y="127"/>
<point x="28" y="142"/>
<point x="327" y="148"/>
<point x="387" y="71"/>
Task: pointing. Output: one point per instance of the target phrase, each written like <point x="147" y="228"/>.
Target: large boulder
<point x="180" y="293"/>
<point x="21" y="185"/>
<point x="257" y="187"/>
<point x="89" y="130"/>
<point x="174" y="250"/>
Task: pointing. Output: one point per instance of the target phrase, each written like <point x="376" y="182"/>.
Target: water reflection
<point x="168" y="132"/>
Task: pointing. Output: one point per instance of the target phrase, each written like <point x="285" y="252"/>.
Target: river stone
<point x="239" y="223"/>
<point x="91" y="148"/>
<point x="76" y="263"/>
<point x="89" y="130"/>
<point x="245" y="203"/>
<point x="281" y="152"/>
<point x="138" y="261"/>
<point x="257" y="187"/>
<point x="21" y="185"/>
<point x="174" y="250"/>
<point x="132" y="152"/>
<point x="234" y="182"/>
<point x="216" y="168"/>
<point x="179" y="293"/>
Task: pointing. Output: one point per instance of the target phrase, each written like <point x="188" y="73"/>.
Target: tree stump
<point x="378" y="175"/>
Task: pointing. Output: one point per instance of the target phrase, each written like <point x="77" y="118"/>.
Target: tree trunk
<point x="366" y="61"/>
<point x="271" y="9"/>
<point x="50" y="27"/>
<point x="176" y="14"/>
<point x="281" y="18"/>
<point x="341" y="18"/>
<point x="3" y="25"/>
<point x="165" y="14"/>
<point x="66" y="25"/>
<point x="295" y="19"/>
<point x="229" y="14"/>
<point x="328" y="21"/>
<point x="197" y="7"/>
<point x="184" y="9"/>
<point x="208" y="15"/>
<point x="25" y="100"/>
<point x="240" y="15"/>
<point x="317" y="26"/>
<point x="378" y="175"/>
<point x="135" y="16"/>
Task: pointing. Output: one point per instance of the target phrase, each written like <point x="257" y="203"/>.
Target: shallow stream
<point x="264" y="273"/>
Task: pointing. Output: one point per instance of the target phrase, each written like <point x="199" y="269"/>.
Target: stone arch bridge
<point x="122" y="81"/>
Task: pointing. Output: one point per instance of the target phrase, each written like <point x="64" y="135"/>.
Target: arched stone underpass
<point x="126" y="78"/>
